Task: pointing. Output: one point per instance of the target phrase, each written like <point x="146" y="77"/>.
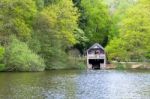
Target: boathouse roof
<point x="95" y="46"/>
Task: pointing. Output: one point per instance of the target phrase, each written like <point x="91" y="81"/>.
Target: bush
<point x="2" y="67"/>
<point x="2" y="51"/>
<point x="20" y="58"/>
<point x="76" y="62"/>
<point x="56" y="58"/>
<point x="120" y="66"/>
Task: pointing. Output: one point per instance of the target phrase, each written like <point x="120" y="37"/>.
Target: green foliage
<point x="2" y="67"/>
<point x="39" y="4"/>
<point x="97" y="27"/>
<point x="125" y="65"/>
<point x="120" y="66"/>
<point x="49" y="2"/>
<point x="82" y="40"/>
<point x="94" y="21"/>
<point x="34" y="44"/>
<point x="76" y="62"/>
<point x="50" y="28"/>
<point x="55" y="58"/>
<point x="117" y="12"/>
<point x="80" y="36"/>
<point x="2" y="52"/>
<point x="16" y="18"/>
<point x="134" y="34"/>
<point x="20" y="58"/>
<point x="58" y="59"/>
<point x="54" y="29"/>
<point x="59" y="21"/>
<point x="116" y="50"/>
<point x="97" y="20"/>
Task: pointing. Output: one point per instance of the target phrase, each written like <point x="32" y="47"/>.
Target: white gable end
<point x="96" y="47"/>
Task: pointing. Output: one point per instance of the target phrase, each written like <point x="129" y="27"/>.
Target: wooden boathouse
<point x="96" y="57"/>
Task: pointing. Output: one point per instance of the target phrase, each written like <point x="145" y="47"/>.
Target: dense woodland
<point x="47" y="34"/>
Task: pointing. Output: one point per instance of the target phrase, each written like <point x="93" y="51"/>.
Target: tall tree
<point x="16" y="18"/>
<point x="94" y="21"/>
<point x="134" y="32"/>
<point x="117" y="9"/>
<point x="54" y="28"/>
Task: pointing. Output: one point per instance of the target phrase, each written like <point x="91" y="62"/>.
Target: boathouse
<point x="96" y="58"/>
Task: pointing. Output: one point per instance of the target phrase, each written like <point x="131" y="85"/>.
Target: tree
<point x="117" y="9"/>
<point x="116" y="50"/>
<point x="2" y="52"/>
<point x="20" y="58"/>
<point x="54" y="28"/>
<point x="39" y="4"/>
<point x="94" y="21"/>
<point x="16" y="18"/>
<point x="135" y="32"/>
<point x="61" y="21"/>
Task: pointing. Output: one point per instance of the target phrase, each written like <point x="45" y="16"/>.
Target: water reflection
<point x="75" y="84"/>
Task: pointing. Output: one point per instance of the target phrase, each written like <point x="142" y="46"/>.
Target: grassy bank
<point x="129" y="65"/>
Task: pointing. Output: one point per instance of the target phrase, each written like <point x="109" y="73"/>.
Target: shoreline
<point x="128" y="65"/>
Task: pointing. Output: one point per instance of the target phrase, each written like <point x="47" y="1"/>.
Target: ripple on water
<point x="74" y="84"/>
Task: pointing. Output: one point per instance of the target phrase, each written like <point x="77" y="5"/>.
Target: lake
<point x="75" y="84"/>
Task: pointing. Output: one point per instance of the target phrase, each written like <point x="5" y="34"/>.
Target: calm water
<point x="75" y="84"/>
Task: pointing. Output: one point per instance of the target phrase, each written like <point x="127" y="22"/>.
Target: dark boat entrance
<point x="96" y="63"/>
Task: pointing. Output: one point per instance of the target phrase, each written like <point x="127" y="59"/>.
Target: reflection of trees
<point x="64" y="84"/>
<point x="60" y="84"/>
<point x="70" y="87"/>
<point x="4" y="85"/>
<point x="20" y="86"/>
<point x="52" y="84"/>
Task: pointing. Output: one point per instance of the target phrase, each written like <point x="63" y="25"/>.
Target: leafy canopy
<point x="16" y="18"/>
<point x="135" y="32"/>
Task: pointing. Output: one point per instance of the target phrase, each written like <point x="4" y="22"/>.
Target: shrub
<point x="20" y="58"/>
<point x="120" y="66"/>
<point x="76" y="62"/>
<point x="2" y="67"/>
<point x="56" y="58"/>
<point x="2" y="51"/>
